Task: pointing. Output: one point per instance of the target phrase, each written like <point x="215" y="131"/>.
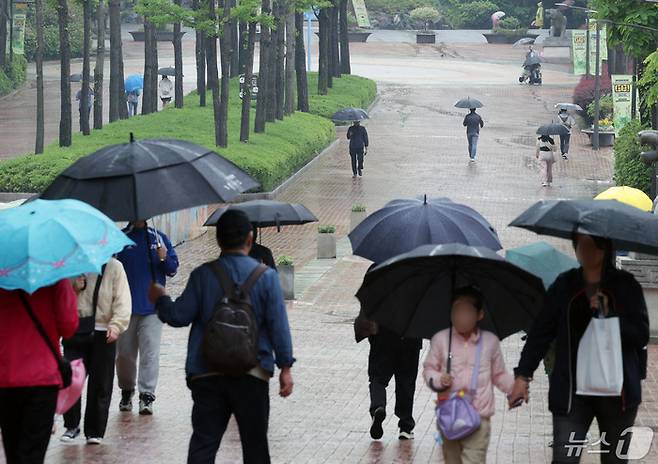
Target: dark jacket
<point x="358" y="137"/>
<point x="564" y="318"/>
<point x="473" y="122"/>
<point x="262" y="254"/>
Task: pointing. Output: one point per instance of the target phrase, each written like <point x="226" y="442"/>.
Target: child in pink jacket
<point x="467" y="310"/>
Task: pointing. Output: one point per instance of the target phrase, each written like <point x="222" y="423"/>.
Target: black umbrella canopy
<point x="268" y="213"/>
<point x="404" y="224"/>
<point x="139" y="180"/>
<point x="411" y="294"/>
<point x="552" y="129"/>
<point x="532" y="60"/>
<point x="350" y="114"/>
<point x="468" y="103"/>
<point x="169" y="71"/>
<point x="628" y="227"/>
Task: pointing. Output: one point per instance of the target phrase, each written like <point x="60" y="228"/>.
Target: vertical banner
<point x="622" y="91"/>
<point x="603" y="47"/>
<point x="18" y="37"/>
<point x="361" y="13"/>
<point x="578" y="50"/>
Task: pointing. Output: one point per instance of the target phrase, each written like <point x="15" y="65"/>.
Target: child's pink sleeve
<point x="434" y="361"/>
<point x="500" y="377"/>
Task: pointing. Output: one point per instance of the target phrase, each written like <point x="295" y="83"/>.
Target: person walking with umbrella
<point x="152" y="259"/>
<point x="358" y="137"/>
<point x="545" y="152"/>
<point x="473" y="123"/>
<point x="84" y="110"/>
<point x="568" y="121"/>
<point x="166" y="89"/>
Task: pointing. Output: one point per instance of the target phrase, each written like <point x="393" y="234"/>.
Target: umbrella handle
<point x="148" y="252"/>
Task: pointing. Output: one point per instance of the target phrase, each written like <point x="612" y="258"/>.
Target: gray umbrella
<point x="523" y="41"/>
<point x="468" y="102"/>
<point x="167" y="71"/>
<point x="568" y="106"/>
<point x="532" y="60"/>
<point x="75" y="78"/>
<point x="552" y="129"/>
<point x="350" y="114"/>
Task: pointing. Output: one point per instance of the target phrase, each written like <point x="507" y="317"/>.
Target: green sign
<point x="622" y="91"/>
<point x="361" y="13"/>
<point x="579" y="49"/>
<point x="603" y="47"/>
<point x="18" y="34"/>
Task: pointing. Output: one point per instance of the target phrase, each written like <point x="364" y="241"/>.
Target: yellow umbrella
<point x="629" y="195"/>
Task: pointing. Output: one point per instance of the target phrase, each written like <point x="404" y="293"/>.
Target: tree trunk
<point x="345" y="65"/>
<point x="38" y="145"/>
<point x="263" y="72"/>
<point x="289" y="106"/>
<point x="213" y="74"/>
<point x="335" y="50"/>
<point x="280" y="58"/>
<point x="150" y="101"/>
<point x="300" y="64"/>
<point x="248" y="73"/>
<point x="323" y="57"/>
<point x="178" y="62"/>
<point x="118" y="107"/>
<point x="225" y="54"/>
<point x="65" y="73"/>
<point x="100" y="65"/>
<point x="200" y="54"/>
<point x="273" y="64"/>
<point x="235" y="44"/>
<point x="85" y="91"/>
<point x="3" y="32"/>
<point x="242" y="45"/>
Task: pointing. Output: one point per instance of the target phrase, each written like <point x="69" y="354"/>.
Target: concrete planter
<point x="425" y="38"/>
<point x="326" y="246"/>
<point x="606" y="138"/>
<point x="160" y="36"/>
<point x="287" y="279"/>
<point x="498" y="38"/>
<point x="358" y="36"/>
<point x="356" y="217"/>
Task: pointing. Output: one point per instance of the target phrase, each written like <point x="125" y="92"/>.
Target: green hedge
<point x="270" y="157"/>
<point x="630" y="170"/>
<point x="13" y="75"/>
<point x="51" y="31"/>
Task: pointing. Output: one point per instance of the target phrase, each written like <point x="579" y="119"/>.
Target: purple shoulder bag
<point x="456" y="417"/>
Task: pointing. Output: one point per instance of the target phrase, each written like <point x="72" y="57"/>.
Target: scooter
<point x="532" y="74"/>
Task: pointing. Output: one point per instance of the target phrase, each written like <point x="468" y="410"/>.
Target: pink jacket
<point x="492" y="367"/>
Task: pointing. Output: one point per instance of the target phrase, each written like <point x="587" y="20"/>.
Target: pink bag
<point x="68" y="396"/>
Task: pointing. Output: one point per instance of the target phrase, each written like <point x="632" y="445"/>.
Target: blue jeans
<point x="472" y="145"/>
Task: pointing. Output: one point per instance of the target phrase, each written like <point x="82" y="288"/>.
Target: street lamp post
<point x="597" y="88"/>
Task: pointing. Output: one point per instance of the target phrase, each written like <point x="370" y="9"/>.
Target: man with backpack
<point x="239" y="332"/>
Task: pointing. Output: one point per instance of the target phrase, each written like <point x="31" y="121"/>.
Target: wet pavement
<point x="417" y="147"/>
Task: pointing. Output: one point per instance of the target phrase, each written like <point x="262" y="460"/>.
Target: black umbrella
<point x="268" y="213"/>
<point x="350" y="114"/>
<point x="411" y="294"/>
<point x="533" y="60"/>
<point x="552" y="129"/>
<point x="75" y="78"/>
<point x="402" y="225"/>
<point x="142" y="179"/>
<point x="169" y="71"/>
<point x="469" y="103"/>
<point x="628" y="227"/>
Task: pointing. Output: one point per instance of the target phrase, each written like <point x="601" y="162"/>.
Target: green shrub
<point x="284" y="261"/>
<point x="271" y="157"/>
<point x="509" y="23"/>
<point x="393" y="7"/>
<point x="425" y="15"/>
<point x="326" y="229"/>
<point x="605" y="108"/>
<point x="358" y="208"/>
<point x="471" y="15"/>
<point x="51" y="31"/>
<point x="630" y="170"/>
<point x="13" y="75"/>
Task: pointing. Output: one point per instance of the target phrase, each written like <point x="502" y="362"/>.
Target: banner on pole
<point x="603" y="47"/>
<point x="361" y="13"/>
<point x="579" y="52"/>
<point x="622" y="92"/>
<point x="18" y="35"/>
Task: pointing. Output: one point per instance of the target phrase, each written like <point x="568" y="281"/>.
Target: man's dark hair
<point x="233" y="228"/>
<point x="470" y="292"/>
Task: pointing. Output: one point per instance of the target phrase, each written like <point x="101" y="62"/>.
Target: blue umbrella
<point x="402" y="225"/>
<point x="45" y="241"/>
<point x="134" y="82"/>
<point x="542" y="260"/>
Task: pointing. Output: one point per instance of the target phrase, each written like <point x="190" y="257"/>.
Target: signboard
<point x="579" y="50"/>
<point x="254" y="86"/>
<point x="622" y="91"/>
<point x="18" y="33"/>
<point x="603" y="47"/>
<point x="361" y="13"/>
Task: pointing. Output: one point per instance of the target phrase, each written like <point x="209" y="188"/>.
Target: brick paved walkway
<point x="418" y="147"/>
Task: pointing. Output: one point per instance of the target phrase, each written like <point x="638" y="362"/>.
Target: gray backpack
<point x="230" y="340"/>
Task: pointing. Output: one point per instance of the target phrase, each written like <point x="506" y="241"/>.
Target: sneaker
<point x="353" y="176"/>
<point x="404" y="435"/>
<point x="544" y="184"/>
<point x="146" y="404"/>
<point x="94" y="440"/>
<point x="70" y="435"/>
<point x="126" y="403"/>
<point x="564" y="156"/>
<point x="376" y="430"/>
<point x="360" y="172"/>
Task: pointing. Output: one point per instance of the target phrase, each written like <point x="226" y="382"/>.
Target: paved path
<point x="418" y="147"/>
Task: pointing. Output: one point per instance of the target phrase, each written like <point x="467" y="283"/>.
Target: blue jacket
<point x="139" y="269"/>
<point x="197" y="303"/>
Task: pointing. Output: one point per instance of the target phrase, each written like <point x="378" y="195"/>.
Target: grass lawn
<point x="270" y="157"/>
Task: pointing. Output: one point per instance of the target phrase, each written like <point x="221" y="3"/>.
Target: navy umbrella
<point x="268" y="213"/>
<point x="628" y="228"/>
<point x="468" y="103"/>
<point x="350" y="114"/>
<point x="402" y="225"/>
<point x="411" y="294"/>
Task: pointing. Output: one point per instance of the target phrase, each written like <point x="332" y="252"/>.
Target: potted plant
<point x="286" y="270"/>
<point x="507" y="31"/>
<point x="606" y="122"/>
<point x="326" y="242"/>
<point x="425" y="15"/>
<point x="354" y="32"/>
<point x="357" y="216"/>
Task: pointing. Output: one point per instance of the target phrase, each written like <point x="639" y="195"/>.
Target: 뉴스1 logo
<point x="638" y="448"/>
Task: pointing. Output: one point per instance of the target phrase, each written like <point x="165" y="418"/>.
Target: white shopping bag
<point x="599" y="367"/>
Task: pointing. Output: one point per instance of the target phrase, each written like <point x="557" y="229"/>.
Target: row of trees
<point x="233" y="24"/>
